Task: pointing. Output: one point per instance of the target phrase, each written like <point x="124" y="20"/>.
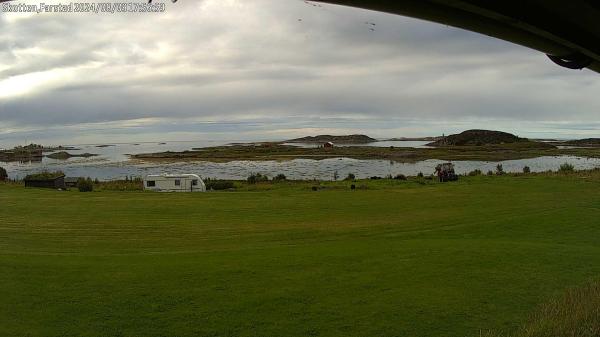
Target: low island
<point x="470" y="145"/>
<point x="67" y="155"/>
<point x="347" y="139"/>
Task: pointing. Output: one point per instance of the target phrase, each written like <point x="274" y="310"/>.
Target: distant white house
<point x="174" y="183"/>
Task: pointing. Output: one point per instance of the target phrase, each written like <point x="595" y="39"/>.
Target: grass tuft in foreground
<point x="575" y="314"/>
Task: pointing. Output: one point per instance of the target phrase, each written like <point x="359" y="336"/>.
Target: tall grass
<point x="255" y="178"/>
<point x="476" y="172"/>
<point x="575" y="314"/>
<point x="218" y="185"/>
<point x="134" y="184"/>
<point x="566" y="168"/>
<point x="280" y="177"/>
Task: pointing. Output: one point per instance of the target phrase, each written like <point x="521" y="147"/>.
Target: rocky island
<point x="31" y="152"/>
<point x="65" y="155"/>
<point x="584" y="142"/>
<point x="347" y="139"/>
<point x="486" y="138"/>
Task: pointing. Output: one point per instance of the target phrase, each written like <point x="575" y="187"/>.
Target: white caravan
<point x="174" y="183"/>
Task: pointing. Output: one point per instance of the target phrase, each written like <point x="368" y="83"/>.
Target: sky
<point x="273" y="70"/>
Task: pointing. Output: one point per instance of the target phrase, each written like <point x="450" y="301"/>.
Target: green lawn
<point x="396" y="259"/>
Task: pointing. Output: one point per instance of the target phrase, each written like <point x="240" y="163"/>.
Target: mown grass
<point x="396" y="258"/>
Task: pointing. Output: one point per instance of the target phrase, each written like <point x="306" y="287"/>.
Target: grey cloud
<point x="238" y="61"/>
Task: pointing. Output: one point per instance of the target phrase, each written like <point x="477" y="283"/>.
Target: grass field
<point x="395" y="259"/>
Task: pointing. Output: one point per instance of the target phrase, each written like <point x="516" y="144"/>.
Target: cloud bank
<point x="273" y="69"/>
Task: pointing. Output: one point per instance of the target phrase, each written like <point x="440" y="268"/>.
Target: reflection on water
<point x="113" y="163"/>
<point x="28" y="161"/>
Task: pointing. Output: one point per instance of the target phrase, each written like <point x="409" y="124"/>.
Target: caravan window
<point x="150" y="183"/>
<point x="177" y="182"/>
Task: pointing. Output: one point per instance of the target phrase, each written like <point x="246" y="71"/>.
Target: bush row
<point x="258" y="177"/>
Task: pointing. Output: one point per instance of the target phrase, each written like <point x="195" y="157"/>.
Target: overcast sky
<point x="273" y="69"/>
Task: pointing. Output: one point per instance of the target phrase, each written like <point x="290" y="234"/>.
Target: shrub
<point x="499" y="170"/>
<point x="566" y="168"/>
<point x="375" y="178"/>
<point x="350" y="177"/>
<point x="257" y="178"/>
<point x="3" y="174"/>
<point x="476" y="172"/>
<point x="526" y="169"/>
<point x="420" y="175"/>
<point x="490" y="173"/>
<point x="336" y="175"/>
<point x="218" y="185"/>
<point x="400" y="177"/>
<point x="85" y="185"/>
<point x="280" y="177"/>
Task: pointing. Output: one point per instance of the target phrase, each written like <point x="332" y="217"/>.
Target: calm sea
<point x="113" y="162"/>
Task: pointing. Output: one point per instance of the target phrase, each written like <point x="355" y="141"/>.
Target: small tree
<point x="499" y="170"/>
<point x="336" y="175"/>
<point x="85" y="185"/>
<point x="350" y="177"/>
<point x="3" y="174"/>
<point x="490" y="173"/>
<point x="526" y="169"/>
<point x="400" y="177"/>
<point x="420" y="175"/>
